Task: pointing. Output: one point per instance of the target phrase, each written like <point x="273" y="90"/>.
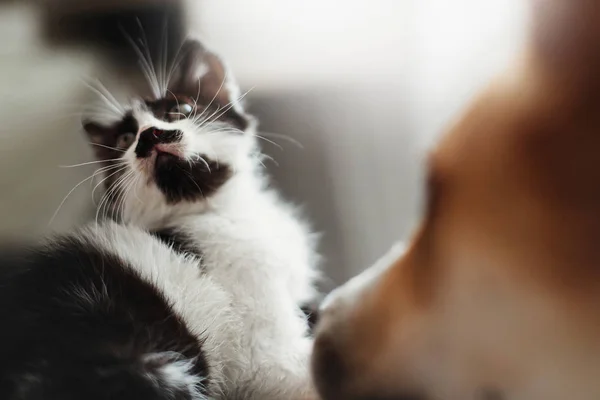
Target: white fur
<point x="242" y="300"/>
<point x="176" y="375"/>
<point x="243" y="303"/>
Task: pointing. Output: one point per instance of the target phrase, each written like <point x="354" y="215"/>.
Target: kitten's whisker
<point x="262" y="163"/>
<point x="191" y="179"/>
<point x="212" y="153"/>
<point x="101" y="113"/>
<point x="269" y="141"/>
<point x="177" y="101"/>
<point x="175" y="64"/>
<point x="74" y="108"/>
<point x="124" y="193"/>
<point x="196" y="99"/>
<point x="144" y="64"/>
<point x="104" y="199"/>
<point x="119" y="194"/>
<point x="215" y="96"/>
<point x="163" y="56"/>
<point x="103" y="180"/>
<point x="117" y="201"/>
<point x="102" y="96"/>
<point x="108" y="167"/>
<point x="149" y="57"/>
<point x="284" y="137"/>
<point x="221" y="129"/>
<point x="66" y="197"/>
<point x="269" y="158"/>
<point x="128" y="189"/>
<point x="110" y="96"/>
<point x="226" y="108"/>
<point x="104" y="169"/>
<point x="107" y="147"/>
<point x="92" y="162"/>
<point x="205" y="163"/>
<point x="139" y="177"/>
<point x="130" y="186"/>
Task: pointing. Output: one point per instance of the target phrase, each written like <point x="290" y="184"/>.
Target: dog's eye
<point x="180" y="111"/>
<point x="125" y="140"/>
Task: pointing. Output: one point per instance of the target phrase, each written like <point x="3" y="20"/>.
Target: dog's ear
<point x="202" y="75"/>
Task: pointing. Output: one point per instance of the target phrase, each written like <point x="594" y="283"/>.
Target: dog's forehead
<point x="515" y="176"/>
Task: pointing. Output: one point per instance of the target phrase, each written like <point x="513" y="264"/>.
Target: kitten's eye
<point x="180" y="111"/>
<point x="125" y="140"/>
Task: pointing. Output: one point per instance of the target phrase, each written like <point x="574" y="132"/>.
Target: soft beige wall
<point x="41" y="93"/>
<point x="365" y="86"/>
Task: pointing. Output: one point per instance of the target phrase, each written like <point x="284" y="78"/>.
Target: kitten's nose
<point x="153" y="136"/>
<point x="146" y="142"/>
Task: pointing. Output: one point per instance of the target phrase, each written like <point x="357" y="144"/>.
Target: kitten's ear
<point x="101" y="138"/>
<point x="200" y="73"/>
<point x="94" y="131"/>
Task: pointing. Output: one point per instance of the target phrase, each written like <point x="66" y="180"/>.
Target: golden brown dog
<point x="497" y="296"/>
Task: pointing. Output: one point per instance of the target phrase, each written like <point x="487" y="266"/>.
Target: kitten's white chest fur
<point x="264" y="256"/>
<point x="242" y="299"/>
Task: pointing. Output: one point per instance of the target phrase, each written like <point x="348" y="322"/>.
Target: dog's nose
<point x="335" y="371"/>
<point x="328" y="368"/>
<point x="330" y="371"/>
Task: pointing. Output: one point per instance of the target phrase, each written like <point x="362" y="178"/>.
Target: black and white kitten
<point x="196" y="292"/>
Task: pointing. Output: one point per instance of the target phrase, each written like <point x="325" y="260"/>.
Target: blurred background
<point x="352" y="93"/>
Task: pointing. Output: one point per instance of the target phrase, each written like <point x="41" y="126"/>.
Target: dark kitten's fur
<point x="79" y="323"/>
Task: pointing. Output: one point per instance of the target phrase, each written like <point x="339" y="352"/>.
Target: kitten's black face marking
<point x="182" y="180"/>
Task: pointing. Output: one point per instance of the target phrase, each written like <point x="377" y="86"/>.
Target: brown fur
<point x="499" y="290"/>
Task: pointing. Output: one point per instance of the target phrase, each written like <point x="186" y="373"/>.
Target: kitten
<point x="196" y="292"/>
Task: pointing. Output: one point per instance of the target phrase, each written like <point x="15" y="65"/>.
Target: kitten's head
<point x="170" y="154"/>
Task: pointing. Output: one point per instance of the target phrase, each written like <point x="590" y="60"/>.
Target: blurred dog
<point x="497" y="296"/>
